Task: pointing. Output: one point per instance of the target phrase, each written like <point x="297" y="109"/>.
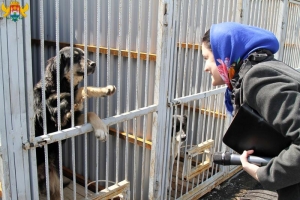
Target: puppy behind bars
<point x="51" y="109"/>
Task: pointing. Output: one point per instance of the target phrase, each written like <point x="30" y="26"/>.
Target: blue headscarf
<point x="233" y="42"/>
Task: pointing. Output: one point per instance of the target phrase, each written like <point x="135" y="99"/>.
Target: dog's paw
<point x="110" y="90"/>
<point x="101" y="134"/>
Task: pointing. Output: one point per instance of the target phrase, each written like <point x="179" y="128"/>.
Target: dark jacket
<point x="273" y="89"/>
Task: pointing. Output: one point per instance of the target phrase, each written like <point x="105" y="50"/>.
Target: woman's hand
<point x="248" y="167"/>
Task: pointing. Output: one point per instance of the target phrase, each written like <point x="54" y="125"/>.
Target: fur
<point x="178" y="136"/>
<point x="80" y="95"/>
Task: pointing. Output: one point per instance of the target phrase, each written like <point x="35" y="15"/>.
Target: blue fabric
<point x="232" y="42"/>
<point x="228" y="104"/>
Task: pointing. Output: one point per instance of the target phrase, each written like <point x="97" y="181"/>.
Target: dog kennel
<point x="151" y="51"/>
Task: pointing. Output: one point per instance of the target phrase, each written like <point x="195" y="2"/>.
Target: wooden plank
<point x="80" y="179"/>
<point x="206" y="112"/>
<point x="200" y="148"/>
<point x="68" y="192"/>
<point x="189" y="46"/>
<point x="102" y="50"/>
<point x="131" y="138"/>
<point x="198" y="170"/>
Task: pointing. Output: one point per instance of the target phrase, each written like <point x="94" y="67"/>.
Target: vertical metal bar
<point x="186" y="47"/>
<point x="135" y="168"/>
<point x="218" y="136"/>
<point x="146" y="98"/>
<point x="180" y="48"/>
<point x="258" y="14"/>
<point x="200" y="122"/>
<point x="57" y="63"/>
<point x="196" y="82"/>
<point x="195" y="90"/>
<point x="184" y="79"/>
<point x="274" y="10"/>
<point x="199" y="58"/>
<point x="172" y="10"/>
<point x="97" y="84"/>
<point x="174" y="43"/>
<point x="267" y="10"/>
<point x="72" y="60"/>
<point x="246" y="8"/>
<point x="85" y="102"/>
<point x="264" y="15"/>
<point x="108" y="81"/>
<point x="30" y="113"/>
<point x="272" y="14"/>
<point x="213" y="10"/>
<point x="288" y="39"/>
<point x="5" y="178"/>
<point x="224" y="10"/>
<point x="297" y="51"/>
<point x="72" y="94"/>
<point x="58" y="94"/>
<point x="235" y="11"/>
<point x="128" y="84"/>
<point x="292" y="29"/>
<point x="43" y="95"/>
<point x="228" y="11"/>
<point x="178" y="160"/>
<point x="282" y="27"/>
<point x="119" y="86"/>
<point x="255" y="16"/>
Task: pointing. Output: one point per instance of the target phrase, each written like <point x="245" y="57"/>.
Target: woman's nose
<point x="206" y="68"/>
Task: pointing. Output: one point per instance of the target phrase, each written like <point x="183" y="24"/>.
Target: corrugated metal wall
<point x="292" y="39"/>
<point x="129" y="25"/>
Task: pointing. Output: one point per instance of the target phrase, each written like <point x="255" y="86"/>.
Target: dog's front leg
<point x="100" y="128"/>
<point x="94" y="92"/>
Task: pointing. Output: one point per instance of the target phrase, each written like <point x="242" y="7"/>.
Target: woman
<point x="241" y="57"/>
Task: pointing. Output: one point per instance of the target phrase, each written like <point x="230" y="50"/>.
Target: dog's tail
<point x="53" y="180"/>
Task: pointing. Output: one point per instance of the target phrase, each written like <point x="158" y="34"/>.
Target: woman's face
<point x="210" y="66"/>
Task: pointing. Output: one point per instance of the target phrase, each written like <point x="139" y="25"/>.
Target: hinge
<point x="165" y="19"/>
<point x="156" y="189"/>
<point x="173" y="103"/>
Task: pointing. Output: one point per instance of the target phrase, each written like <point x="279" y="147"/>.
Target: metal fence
<point x="151" y="51"/>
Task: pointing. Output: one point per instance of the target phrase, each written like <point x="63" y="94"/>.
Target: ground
<point x="240" y="187"/>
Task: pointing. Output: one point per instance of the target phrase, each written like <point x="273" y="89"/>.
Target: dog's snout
<point x="93" y="64"/>
<point x="91" y="67"/>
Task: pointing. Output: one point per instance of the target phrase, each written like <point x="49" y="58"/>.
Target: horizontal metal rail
<point x="79" y="130"/>
<point x="198" y="96"/>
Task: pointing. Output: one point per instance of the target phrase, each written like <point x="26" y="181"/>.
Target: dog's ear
<point x="185" y="118"/>
<point x="62" y="63"/>
<point x="62" y="59"/>
<point x="50" y="74"/>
